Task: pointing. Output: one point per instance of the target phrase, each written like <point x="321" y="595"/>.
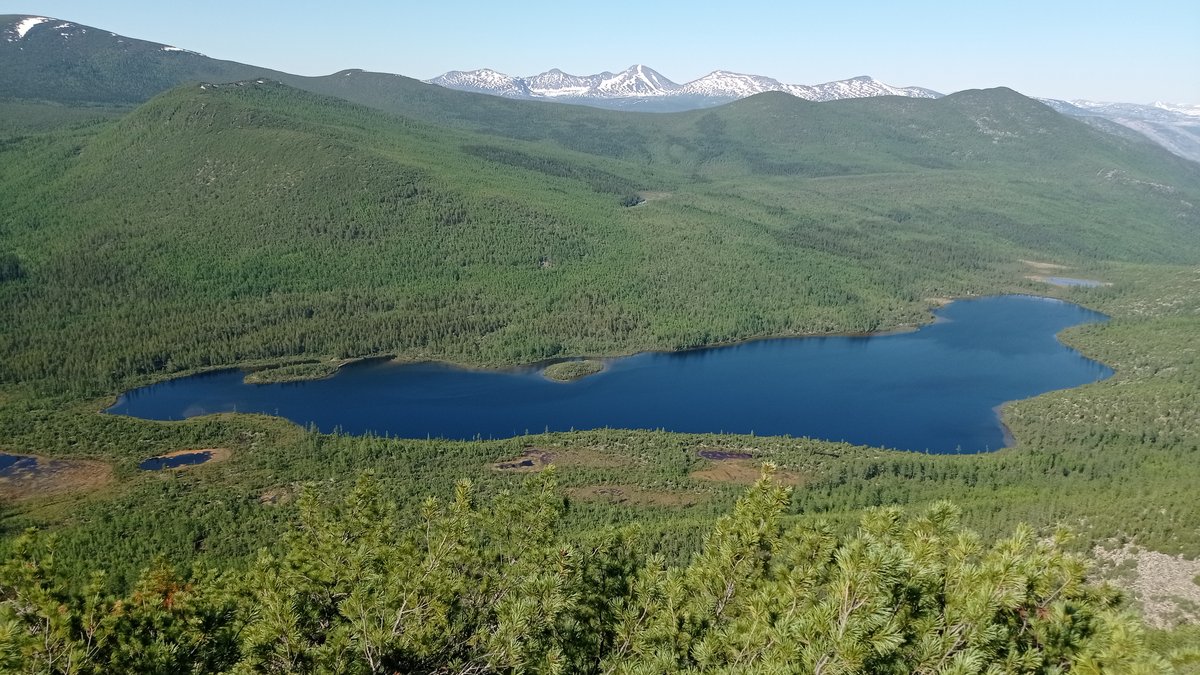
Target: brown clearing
<point x="277" y="496"/>
<point x="533" y="459"/>
<point x="633" y="495"/>
<point x="743" y="472"/>
<point x="54" y="477"/>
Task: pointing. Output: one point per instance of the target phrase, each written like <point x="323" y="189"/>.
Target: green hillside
<point x="218" y="225"/>
<point x="289" y="226"/>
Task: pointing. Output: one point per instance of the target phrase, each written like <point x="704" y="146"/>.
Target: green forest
<point x="461" y="587"/>
<point x="289" y="227"/>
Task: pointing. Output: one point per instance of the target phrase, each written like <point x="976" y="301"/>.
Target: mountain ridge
<point x="48" y="59"/>
<point x="639" y="82"/>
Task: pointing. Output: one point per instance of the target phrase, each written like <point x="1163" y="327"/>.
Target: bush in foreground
<point x="356" y="587"/>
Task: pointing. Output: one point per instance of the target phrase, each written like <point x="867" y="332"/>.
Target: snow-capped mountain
<point x="862" y="86"/>
<point x="639" y="85"/>
<point x="720" y="83"/>
<point x="636" y="81"/>
<point x="484" y="80"/>
<point x="555" y="82"/>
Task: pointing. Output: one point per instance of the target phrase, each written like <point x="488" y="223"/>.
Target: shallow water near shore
<point x="11" y="464"/>
<point x="175" y="461"/>
<point x="935" y="389"/>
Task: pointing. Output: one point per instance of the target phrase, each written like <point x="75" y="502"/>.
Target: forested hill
<point x="227" y="223"/>
<point x="288" y="226"/>
<point x="965" y="129"/>
<point x="66" y="62"/>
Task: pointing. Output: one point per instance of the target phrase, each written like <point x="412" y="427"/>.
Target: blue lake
<point x="936" y="389"/>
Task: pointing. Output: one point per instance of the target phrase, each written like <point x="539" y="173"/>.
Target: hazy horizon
<point x="1098" y="51"/>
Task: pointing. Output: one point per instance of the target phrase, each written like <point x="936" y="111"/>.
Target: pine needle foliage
<point x="463" y="587"/>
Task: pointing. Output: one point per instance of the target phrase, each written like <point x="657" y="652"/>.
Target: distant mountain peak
<point x="635" y="81"/>
<point x="640" y="83"/>
<point x="484" y="80"/>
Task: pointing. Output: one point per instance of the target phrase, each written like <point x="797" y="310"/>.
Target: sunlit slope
<point x="224" y="224"/>
<point x="986" y="162"/>
<point x="961" y="129"/>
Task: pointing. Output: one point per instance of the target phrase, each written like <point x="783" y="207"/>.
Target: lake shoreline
<point x="265" y="365"/>
<point x="440" y="383"/>
<point x="258" y="366"/>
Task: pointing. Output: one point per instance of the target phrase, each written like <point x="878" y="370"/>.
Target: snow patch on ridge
<point x="725" y="83"/>
<point x="24" y="25"/>
<point x="1181" y="108"/>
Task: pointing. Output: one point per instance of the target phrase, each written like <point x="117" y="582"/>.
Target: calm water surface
<point x="935" y="389"/>
<point x="12" y="464"/>
<point x="175" y="461"/>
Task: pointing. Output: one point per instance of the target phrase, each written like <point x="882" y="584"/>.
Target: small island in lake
<point x="567" y="371"/>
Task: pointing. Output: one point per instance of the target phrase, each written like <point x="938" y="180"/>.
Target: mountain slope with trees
<point x="224" y="224"/>
<point x="259" y="223"/>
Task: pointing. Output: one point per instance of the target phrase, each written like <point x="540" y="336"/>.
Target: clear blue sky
<point x="1102" y="50"/>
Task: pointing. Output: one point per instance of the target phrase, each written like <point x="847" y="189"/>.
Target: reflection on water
<point x="934" y="389"/>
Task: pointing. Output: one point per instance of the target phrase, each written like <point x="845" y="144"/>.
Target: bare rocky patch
<point x="1165" y="586"/>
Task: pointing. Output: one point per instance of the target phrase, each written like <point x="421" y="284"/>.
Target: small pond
<point x="12" y="464"/>
<point x="936" y="389"/>
<point x="175" y="461"/>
